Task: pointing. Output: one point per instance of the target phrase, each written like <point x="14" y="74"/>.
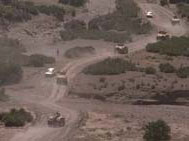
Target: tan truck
<point x="162" y="35"/>
<point x="56" y="120"/>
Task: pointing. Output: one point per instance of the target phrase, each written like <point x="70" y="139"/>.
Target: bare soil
<point x="43" y="96"/>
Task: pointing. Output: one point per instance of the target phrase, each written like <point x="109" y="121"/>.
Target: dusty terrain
<point x="133" y="84"/>
<point x="106" y="121"/>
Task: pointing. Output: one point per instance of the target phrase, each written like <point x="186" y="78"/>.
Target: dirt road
<point x="47" y="93"/>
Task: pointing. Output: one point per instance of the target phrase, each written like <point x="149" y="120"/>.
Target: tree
<point x="150" y="70"/>
<point x="167" y="68"/>
<point x="164" y="2"/>
<point x="157" y="131"/>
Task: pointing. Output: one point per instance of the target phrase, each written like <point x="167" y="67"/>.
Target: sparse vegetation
<point x="39" y="60"/>
<point x="164" y="2"/>
<point x="167" y="68"/>
<point x="157" y="131"/>
<point x="19" y="11"/>
<point x="110" y="66"/>
<point x="76" y="3"/>
<point x="150" y="70"/>
<point x="183" y="9"/>
<point x="121" y="87"/>
<point x="16" y="117"/>
<point x="125" y="18"/>
<point x="78" y="30"/>
<point x="79" y="51"/>
<point x="115" y="27"/>
<point x="11" y="51"/>
<point x="175" y="46"/>
<point x="10" y="73"/>
<point x="3" y="96"/>
<point x="183" y="72"/>
<point x="53" y="10"/>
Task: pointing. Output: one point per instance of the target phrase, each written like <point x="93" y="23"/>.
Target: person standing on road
<point x="57" y="52"/>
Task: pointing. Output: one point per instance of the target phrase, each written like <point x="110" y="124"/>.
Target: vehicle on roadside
<point x="121" y="49"/>
<point x="56" y="120"/>
<point x="149" y="14"/>
<point x="162" y="35"/>
<point x="175" y="20"/>
<point x="61" y="79"/>
<point x="50" y="72"/>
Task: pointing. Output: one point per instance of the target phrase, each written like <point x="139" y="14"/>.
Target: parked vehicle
<point x="50" y="72"/>
<point x="175" y="20"/>
<point x="149" y="14"/>
<point x="121" y="49"/>
<point x="56" y="120"/>
<point x="162" y="35"/>
<point x="62" y="79"/>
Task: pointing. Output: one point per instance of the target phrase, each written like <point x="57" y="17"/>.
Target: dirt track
<point x="45" y="95"/>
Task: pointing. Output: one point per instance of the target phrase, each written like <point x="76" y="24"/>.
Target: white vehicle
<point x="149" y="14"/>
<point x="175" y="20"/>
<point x="121" y="49"/>
<point x="50" y="72"/>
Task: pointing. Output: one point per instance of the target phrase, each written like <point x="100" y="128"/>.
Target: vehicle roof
<point x="50" y="69"/>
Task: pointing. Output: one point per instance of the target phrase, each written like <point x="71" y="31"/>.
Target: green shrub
<point x="125" y="18"/>
<point x="157" y="131"/>
<point x="164" y="2"/>
<point x="3" y="96"/>
<point x="57" y="11"/>
<point x="10" y="73"/>
<point x="115" y="27"/>
<point x="183" y="72"/>
<point x="110" y="36"/>
<point x="110" y="66"/>
<point x="167" y="68"/>
<point x="183" y="9"/>
<point x="16" y="118"/>
<point x="39" y="60"/>
<point x="175" y="46"/>
<point x="76" y="3"/>
<point x="75" y="25"/>
<point x="18" y="11"/>
<point x="150" y="70"/>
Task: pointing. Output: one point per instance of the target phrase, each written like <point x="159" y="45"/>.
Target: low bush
<point x="150" y="70"/>
<point x="167" y="68"/>
<point x="110" y="66"/>
<point x="16" y="118"/>
<point x="18" y="11"/>
<point x="3" y="96"/>
<point x="183" y="72"/>
<point x="54" y="10"/>
<point x="157" y="131"/>
<point x="38" y="60"/>
<point x="10" y="73"/>
<point x="111" y="36"/>
<point x="164" y="2"/>
<point x="178" y="1"/>
<point x="183" y="9"/>
<point x="115" y="27"/>
<point x="76" y="3"/>
<point x="175" y="46"/>
<point x="124" y="18"/>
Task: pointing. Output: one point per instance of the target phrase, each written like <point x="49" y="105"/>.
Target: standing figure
<point x="57" y="52"/>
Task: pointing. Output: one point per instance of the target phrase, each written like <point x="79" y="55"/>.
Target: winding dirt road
<point x="53" y="92"/>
